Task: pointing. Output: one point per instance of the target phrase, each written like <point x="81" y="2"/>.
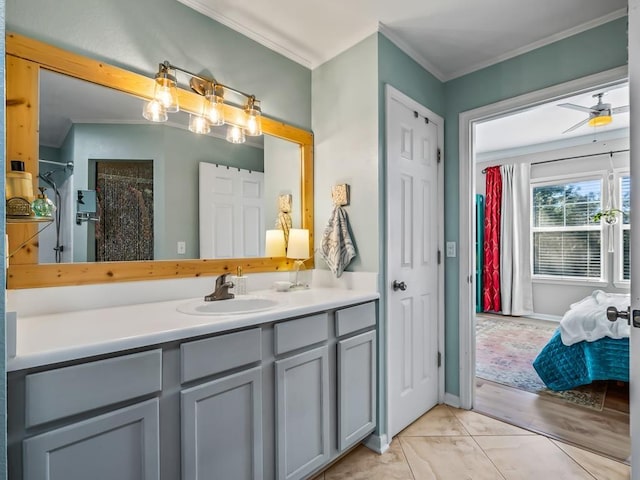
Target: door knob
<point x="399" y="286"/>
<point x="614" y="314"/>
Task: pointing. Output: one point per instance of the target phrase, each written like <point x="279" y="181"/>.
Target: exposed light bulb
<point x="163" y="95"/>
<point x="253" y="123"/>
<point x="155" y="111"/>
<point x="235" y="134"/>
<point x="215" y="110"/>
<point x="198" y="124"/>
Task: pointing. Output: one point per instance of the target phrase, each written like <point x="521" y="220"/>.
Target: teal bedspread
<point x="564" y="367"/>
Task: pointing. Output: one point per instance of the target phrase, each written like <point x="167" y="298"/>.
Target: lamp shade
<point x="298" y="243"/>
<point x="274" y="244"/>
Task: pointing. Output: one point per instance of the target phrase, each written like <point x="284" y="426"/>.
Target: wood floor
<point x="605" y="432"/>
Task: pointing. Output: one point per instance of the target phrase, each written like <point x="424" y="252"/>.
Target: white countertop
<point x="60" y="337"/>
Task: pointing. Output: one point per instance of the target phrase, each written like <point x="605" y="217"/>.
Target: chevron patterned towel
<point x="337" y="248"/>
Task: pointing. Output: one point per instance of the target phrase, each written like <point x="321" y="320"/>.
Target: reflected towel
<point x="337" y="248"/>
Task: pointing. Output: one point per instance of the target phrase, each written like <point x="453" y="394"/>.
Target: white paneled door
<point x="413" y="270"/>
<point x="231" y="212"/>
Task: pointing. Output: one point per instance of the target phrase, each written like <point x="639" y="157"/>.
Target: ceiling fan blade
<point x="580" y="108"/>
<point x="624" y="109"/>
<point x="577" y="125"/>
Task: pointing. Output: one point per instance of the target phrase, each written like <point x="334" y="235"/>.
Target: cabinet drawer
<point x="209" y="356"/>
<point x="300" y="333"/>
<point x="70" y="390"/>
<point x="356" y="318"/>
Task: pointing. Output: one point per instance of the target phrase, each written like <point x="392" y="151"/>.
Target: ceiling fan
<point x="599" y="115"/>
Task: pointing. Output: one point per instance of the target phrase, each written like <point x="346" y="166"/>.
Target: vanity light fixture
<point x="166" y="101"/>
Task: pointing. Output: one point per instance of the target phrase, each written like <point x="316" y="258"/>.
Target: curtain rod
<point x="610" y="153"/>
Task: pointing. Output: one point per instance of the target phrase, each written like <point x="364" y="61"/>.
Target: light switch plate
<point x="182" y="247"/>
<point x="451" y="249"/>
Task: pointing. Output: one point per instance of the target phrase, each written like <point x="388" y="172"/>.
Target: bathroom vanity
<point x="148" y="392"/>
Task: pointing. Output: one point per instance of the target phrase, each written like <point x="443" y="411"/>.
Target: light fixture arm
<point x="166" y="65"/>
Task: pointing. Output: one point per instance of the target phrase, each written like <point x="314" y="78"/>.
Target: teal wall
<point x="586" y="53"/>
<point x="345" y="125"/>
<point x="49" y="153"/>
<point x="176" y="154"/>
<point x="139" y="34"/>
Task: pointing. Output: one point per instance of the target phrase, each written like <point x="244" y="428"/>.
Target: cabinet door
<point x="123" y="444"/>
<point x="302" y="413"/>
<point x="222" y="428"/>
<point x="356" y="388"/>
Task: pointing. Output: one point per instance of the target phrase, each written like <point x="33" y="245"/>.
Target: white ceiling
<point x="448" y="37"/>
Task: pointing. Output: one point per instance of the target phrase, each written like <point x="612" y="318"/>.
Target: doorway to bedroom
<point x="551" y="198"/>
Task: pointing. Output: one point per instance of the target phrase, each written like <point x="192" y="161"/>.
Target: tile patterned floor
<point x="451" y="444"/>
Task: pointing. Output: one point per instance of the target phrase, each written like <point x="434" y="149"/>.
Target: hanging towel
<point x="337" y="248"/>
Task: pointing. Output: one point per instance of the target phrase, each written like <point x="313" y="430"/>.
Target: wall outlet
<point x="451" y="249"/>
<point x="182" y="247"/>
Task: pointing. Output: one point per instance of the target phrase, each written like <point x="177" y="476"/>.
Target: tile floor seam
<point x="571" y="458"/>
<point x="488" y="457"/>
<point x="457" y="419"/>
<point x="404" y="454"/>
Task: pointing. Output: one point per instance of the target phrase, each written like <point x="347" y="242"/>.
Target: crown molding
<point x="283" y="50"/>
<point x="411" y="52"/>
<point x="540" y="43"/>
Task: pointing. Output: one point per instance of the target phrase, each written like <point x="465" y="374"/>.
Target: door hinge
<point x="439" y="155"/>
<point x="426" y="120"/>
<point x="415" y="114"/>
<point x="439" y="359"/>
<point x="439" y="256"/>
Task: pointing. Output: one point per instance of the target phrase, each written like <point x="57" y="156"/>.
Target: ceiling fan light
<point x="600" y="121"/>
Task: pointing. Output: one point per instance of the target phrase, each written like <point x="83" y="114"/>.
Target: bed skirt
<point x="564" y="367"/>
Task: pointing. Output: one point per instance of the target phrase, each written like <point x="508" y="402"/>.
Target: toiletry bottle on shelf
<point x="42" y="206"/>
<point x="240" y="283"/>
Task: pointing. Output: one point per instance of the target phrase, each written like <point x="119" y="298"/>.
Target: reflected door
<point x="231" y="212"/>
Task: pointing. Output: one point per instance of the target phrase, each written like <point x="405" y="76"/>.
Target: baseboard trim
<point x="377" y="443"/>
<point x="452" y="400"/>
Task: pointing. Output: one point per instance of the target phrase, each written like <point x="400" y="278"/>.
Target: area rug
<point x="505" y="350"/>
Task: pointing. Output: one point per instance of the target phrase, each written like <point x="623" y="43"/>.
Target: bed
<point x="586" y="346"/>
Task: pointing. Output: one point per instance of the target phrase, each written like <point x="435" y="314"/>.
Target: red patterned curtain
<point x="491" y="266"/>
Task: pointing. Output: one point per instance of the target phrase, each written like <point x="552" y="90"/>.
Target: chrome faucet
<point x="222" y="290"/>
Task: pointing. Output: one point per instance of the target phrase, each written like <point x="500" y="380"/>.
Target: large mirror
<point x="148" y="178"/>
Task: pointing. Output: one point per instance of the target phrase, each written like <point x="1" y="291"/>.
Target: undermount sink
<point x="233" y="306"/>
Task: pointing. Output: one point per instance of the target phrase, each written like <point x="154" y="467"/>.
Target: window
<point x="566" y="242"/>
<point x="625" y="204"/>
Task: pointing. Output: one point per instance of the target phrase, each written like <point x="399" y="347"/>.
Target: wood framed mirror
<point x="26" y="60"/>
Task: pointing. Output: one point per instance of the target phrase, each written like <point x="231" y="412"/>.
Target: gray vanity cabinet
<point x="122" y="444"/>
<point x="221" y="419"/>
<point x="302" y="413"/>
<point x="356" y="366"/>
<point x="222" y="428"/>
<point x="356" y="388"/>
